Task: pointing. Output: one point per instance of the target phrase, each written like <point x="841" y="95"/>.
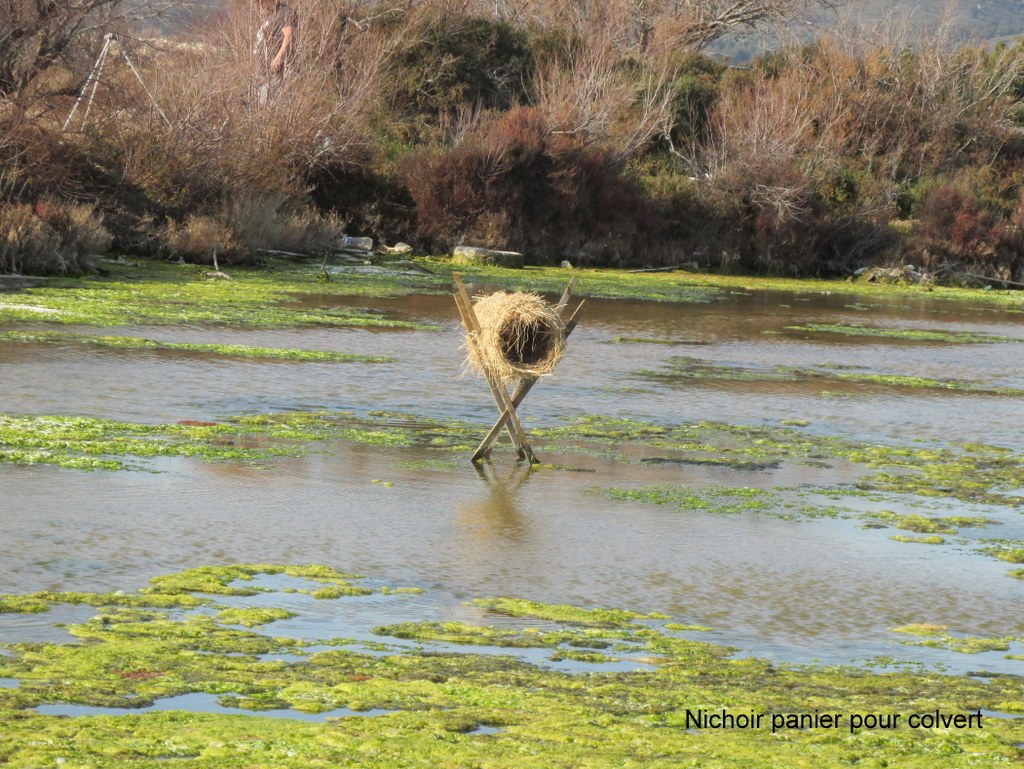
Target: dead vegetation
<point x="520" y="336"/>
<point x="596" y="132"/>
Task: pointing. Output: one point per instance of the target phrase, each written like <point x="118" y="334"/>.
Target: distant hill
<point x="969" y="20"/>
<point x="978" y="19"/>
<point x="981" y="20"/>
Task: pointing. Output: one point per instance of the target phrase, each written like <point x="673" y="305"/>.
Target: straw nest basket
<point x="520" y="336"/>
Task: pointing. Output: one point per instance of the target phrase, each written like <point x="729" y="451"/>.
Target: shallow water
<point x="822" y="590"/>
<point x="204" y="703"/>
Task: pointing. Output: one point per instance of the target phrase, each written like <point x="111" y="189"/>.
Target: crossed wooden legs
<point x="509" y="419"/>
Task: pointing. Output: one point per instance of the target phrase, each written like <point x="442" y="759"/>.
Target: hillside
<point x="968" y="20"/>
<point x="977" y="19"/>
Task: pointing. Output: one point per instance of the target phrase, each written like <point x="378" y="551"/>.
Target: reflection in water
<point x="490" y="528"/>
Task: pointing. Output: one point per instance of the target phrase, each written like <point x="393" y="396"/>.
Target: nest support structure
<point x="513" y="339"/>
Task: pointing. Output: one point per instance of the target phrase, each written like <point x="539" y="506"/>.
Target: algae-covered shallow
<point x="974" y="473"/>
<point x="156" y="293"/>
<point x="686" y="369"/>
<point x="797" y="520"/>
<point x="229" y="350"/>
<point x="152" y="292"/>
<point x="141" y="687"/>
<point x="904" y="334"/>
<point x="688" y="287"/>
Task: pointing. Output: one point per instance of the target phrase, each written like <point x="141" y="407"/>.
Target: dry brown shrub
<point x="49" y="237"/>
<point x="597" y="96"/>
<point x="200" y="238"/>
<point x="306" y="231"/>
<point x="869" y="94"/>
<point x="86" y="233"/>
<point x="222" y="133"/>
<point x="247" y="224"/>
<point x="26" y="242"/>
<point x="552" y="196"/>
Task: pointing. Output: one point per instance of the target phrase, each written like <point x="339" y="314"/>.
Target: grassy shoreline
<point x="283" y="294"/>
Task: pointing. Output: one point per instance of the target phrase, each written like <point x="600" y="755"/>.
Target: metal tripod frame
<point x="93" y="81"/>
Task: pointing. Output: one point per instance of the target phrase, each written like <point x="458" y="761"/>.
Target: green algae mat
<point x="209" y="350"/>
<point x="683" y="370"/>
<point x="277" y="295"/>
<point x="281" y="294"/>
<point x="529" y="684"/>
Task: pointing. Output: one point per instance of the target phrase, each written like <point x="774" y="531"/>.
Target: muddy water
<point x="797" y="590"/>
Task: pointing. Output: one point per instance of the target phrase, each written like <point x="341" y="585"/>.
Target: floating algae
<point x="84" y="443"/>
<point x="933" y="540"/>
<point x="699" y="288"/>
<point x="683" y="369"/>
<point x="649" y="340"/>
<point x="905" y="334"/>
<point x="929" y="525"/>
<point x="162" y="294"/>
<point x="428" y="705"/>
<point x="938" y="637"/>
<point x="972" y="473"/>
<point x="226" y="350"/>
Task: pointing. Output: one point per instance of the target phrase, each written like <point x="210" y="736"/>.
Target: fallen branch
<point x="673" y="268"/>
<point x="990" y="280"/>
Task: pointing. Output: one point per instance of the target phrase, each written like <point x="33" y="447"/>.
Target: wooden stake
<point x="501" y="397"/>
<point x="509" y="418"/>
<point x="566" y="295"/>
<point x="484" y="449"/>
<point x="471" y="338"/>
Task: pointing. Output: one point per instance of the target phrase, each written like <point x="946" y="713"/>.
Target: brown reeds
<point x="520" y="336"/>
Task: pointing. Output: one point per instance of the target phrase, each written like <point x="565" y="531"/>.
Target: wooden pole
<point x="484" y="449"/>
<point x="501" y="396"/>
<point x="471" y="338"/>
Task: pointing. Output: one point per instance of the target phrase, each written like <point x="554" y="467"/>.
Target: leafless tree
<point x="692" y="24"/>
<point x="36" y="34"/>
<point x="698" y="23"/>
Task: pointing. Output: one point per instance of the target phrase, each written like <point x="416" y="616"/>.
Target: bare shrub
<point x="27" y="243"/>
<point x="821" y="140"/>
<point x="49" y="237"/>
<point x="597" y="96"/>
<point x="225" y="145"/>
<point x="199" y="238"/>
<point x="36" y="36"/>
<point x="304" y="230"/>
<point x="641" y="25"/>
<point x="254" y="219"/>
<point x="543" y="192"/>
<point x="85" y="232"/>
<point x="224" y="132"/>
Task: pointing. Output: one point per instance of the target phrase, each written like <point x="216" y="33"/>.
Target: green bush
<point x="454" y="61"/>
<point x="695" y="90"/>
